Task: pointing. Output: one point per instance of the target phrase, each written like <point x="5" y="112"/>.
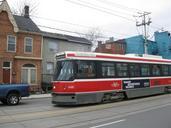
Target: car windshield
<point x="64" y="71"/>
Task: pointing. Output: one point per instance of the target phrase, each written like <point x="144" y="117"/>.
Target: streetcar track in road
<point x="101" y="106"/>
<point x="107" y="118"/>
<point x="60" y="113"/>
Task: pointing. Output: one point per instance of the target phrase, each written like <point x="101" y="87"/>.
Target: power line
<point x="92" y="6"/>
<point x="53" y="28"/>
<point x="69" y="23"/>
<point x="63" y="30"/>
<point x="85" y="2"/>
<point x="101" y="10"/>
<point x="155" y="27"/>
<point x="77" y="24"/>
<point x="42" y="26"/>
<point x="120" y="6"/>
<point x="60" y="21"/>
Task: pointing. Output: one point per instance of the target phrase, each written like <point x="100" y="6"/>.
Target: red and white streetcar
<point x="86" y="77"/>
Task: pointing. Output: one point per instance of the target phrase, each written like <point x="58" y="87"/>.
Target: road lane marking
<point x="102" y="125"/>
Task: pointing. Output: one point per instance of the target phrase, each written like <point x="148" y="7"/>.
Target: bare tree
<point x="18" y="8"/>
<point x="94" y="35"/>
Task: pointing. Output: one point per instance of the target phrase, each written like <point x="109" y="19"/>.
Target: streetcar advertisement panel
<point x="132" y="84"/>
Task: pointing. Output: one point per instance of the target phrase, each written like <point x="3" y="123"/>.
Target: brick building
<point x="113" y="47"/>
<point x="20" y="48"/>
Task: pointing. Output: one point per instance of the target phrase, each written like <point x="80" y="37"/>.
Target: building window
<point x="6" y="64"/>
<point x="108" y="46"/>
<point x="11" y="43"/>
<point x="28" y="45"/>
<point x="53" y="46"/>
<point x="50" y="67"/>
<point x="28" y="74"/>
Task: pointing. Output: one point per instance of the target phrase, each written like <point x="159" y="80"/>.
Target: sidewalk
<point x="36" y="96"/>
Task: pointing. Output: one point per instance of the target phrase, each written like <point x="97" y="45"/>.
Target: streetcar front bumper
<point x="64" y="99"/>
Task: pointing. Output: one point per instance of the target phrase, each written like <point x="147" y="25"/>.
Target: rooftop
<point x="67" y="37"/>
<point x="26" y="24"/>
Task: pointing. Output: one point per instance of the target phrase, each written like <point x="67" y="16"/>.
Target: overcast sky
<point x="114" y="18"/>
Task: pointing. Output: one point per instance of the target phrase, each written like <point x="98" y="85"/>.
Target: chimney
<point x="26" y="11"/>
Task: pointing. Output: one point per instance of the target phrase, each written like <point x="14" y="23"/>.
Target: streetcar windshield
<point x="64" y="71"/>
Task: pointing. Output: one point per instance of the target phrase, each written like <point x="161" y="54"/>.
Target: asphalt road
<point x="149" y="112"/>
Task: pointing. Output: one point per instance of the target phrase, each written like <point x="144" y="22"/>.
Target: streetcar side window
<point x="145" y="70"/>
<point x="85" y="69"/>
<point x="122" y="69"/>
<point x="169" y="70"/>
<point x="134" y="70"/>
<point x="156" y="70"/>
<point x="165" y="70"/>
<point x="108" y="69"/>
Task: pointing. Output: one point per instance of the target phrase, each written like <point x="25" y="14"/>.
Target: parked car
<point x="11" y="93"/>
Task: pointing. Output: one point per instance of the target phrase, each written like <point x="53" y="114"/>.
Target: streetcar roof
<point x="112" y="57"/>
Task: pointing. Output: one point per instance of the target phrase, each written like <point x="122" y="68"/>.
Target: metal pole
<point x="145" y="36"/>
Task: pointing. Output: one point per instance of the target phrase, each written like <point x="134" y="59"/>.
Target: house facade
<point x="20" y="48"/>
<point x="54" y="43"/>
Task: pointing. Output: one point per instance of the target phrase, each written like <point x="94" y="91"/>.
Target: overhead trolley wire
<point x="108" y="9"/>
<point x="42" y="26"/>
<point x="60" y="21"/>
<point x="108" y="2"/>
<point x="77" y="25"/>
<point x="99" y="9"/>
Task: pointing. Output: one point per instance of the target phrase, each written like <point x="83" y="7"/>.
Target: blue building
<point x="135" y="45"/>
<point x="163" y="40"/>
<point x="152" y="47"/>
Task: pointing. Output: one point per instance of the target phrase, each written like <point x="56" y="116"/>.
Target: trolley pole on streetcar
<point x="144" y="23"/>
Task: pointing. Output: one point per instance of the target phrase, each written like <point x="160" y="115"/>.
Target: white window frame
<point x="52" y="64"/>
<point x="25" y="45"/>
<point x="54" y="50"/>
<point x="8" y="42"/>
<point x="29" y="74"/>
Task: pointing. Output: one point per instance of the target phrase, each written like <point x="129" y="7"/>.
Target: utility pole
<point x="144" y="23"/>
